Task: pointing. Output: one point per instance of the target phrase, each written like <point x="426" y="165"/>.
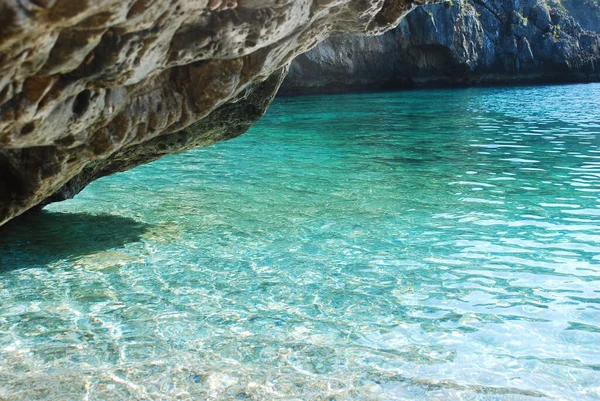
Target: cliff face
<point x="585" y="12"/>
<point x="91" y="87"/>
<point x="458" y="42"/>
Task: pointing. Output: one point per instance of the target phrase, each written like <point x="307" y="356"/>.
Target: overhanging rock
<point x="91" y="87"/>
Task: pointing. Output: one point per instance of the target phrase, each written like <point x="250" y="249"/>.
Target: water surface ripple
<point x="427" y="245"/>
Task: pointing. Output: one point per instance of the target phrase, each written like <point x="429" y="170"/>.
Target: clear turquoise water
<point x="428" y="245"/>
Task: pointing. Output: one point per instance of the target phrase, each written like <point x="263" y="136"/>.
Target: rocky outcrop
<point x="90" y="87"/>
<point x="457" y="42"/>
<point x="585" y="12"/>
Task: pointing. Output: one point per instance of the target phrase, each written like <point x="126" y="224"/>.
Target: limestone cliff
<point x="91" y="87"/>
<point x="461" y="42"/>
<point x="585" y="12"/>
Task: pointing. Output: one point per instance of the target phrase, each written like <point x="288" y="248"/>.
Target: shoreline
<point x="394" y="86"/>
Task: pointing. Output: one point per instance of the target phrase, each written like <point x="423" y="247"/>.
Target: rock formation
<point x="91" y="87"/>
<point x="585" y="12"/>
<point x="461" y="42"/>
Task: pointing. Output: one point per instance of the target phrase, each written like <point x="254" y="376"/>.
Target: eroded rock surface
<point x="461" y="42"/>
<point x="90" y="87"/>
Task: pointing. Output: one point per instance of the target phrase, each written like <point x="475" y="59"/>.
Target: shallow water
<point x="426" y="245"/>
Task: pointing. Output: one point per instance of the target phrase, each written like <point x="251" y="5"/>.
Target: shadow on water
<point x="37" y="240"/>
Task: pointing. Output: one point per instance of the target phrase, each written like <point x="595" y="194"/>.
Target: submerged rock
<point x="91" y="87"/>
<point x="460" y="42"/>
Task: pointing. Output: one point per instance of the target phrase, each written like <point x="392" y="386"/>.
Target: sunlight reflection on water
<point x="413" y="245"/>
